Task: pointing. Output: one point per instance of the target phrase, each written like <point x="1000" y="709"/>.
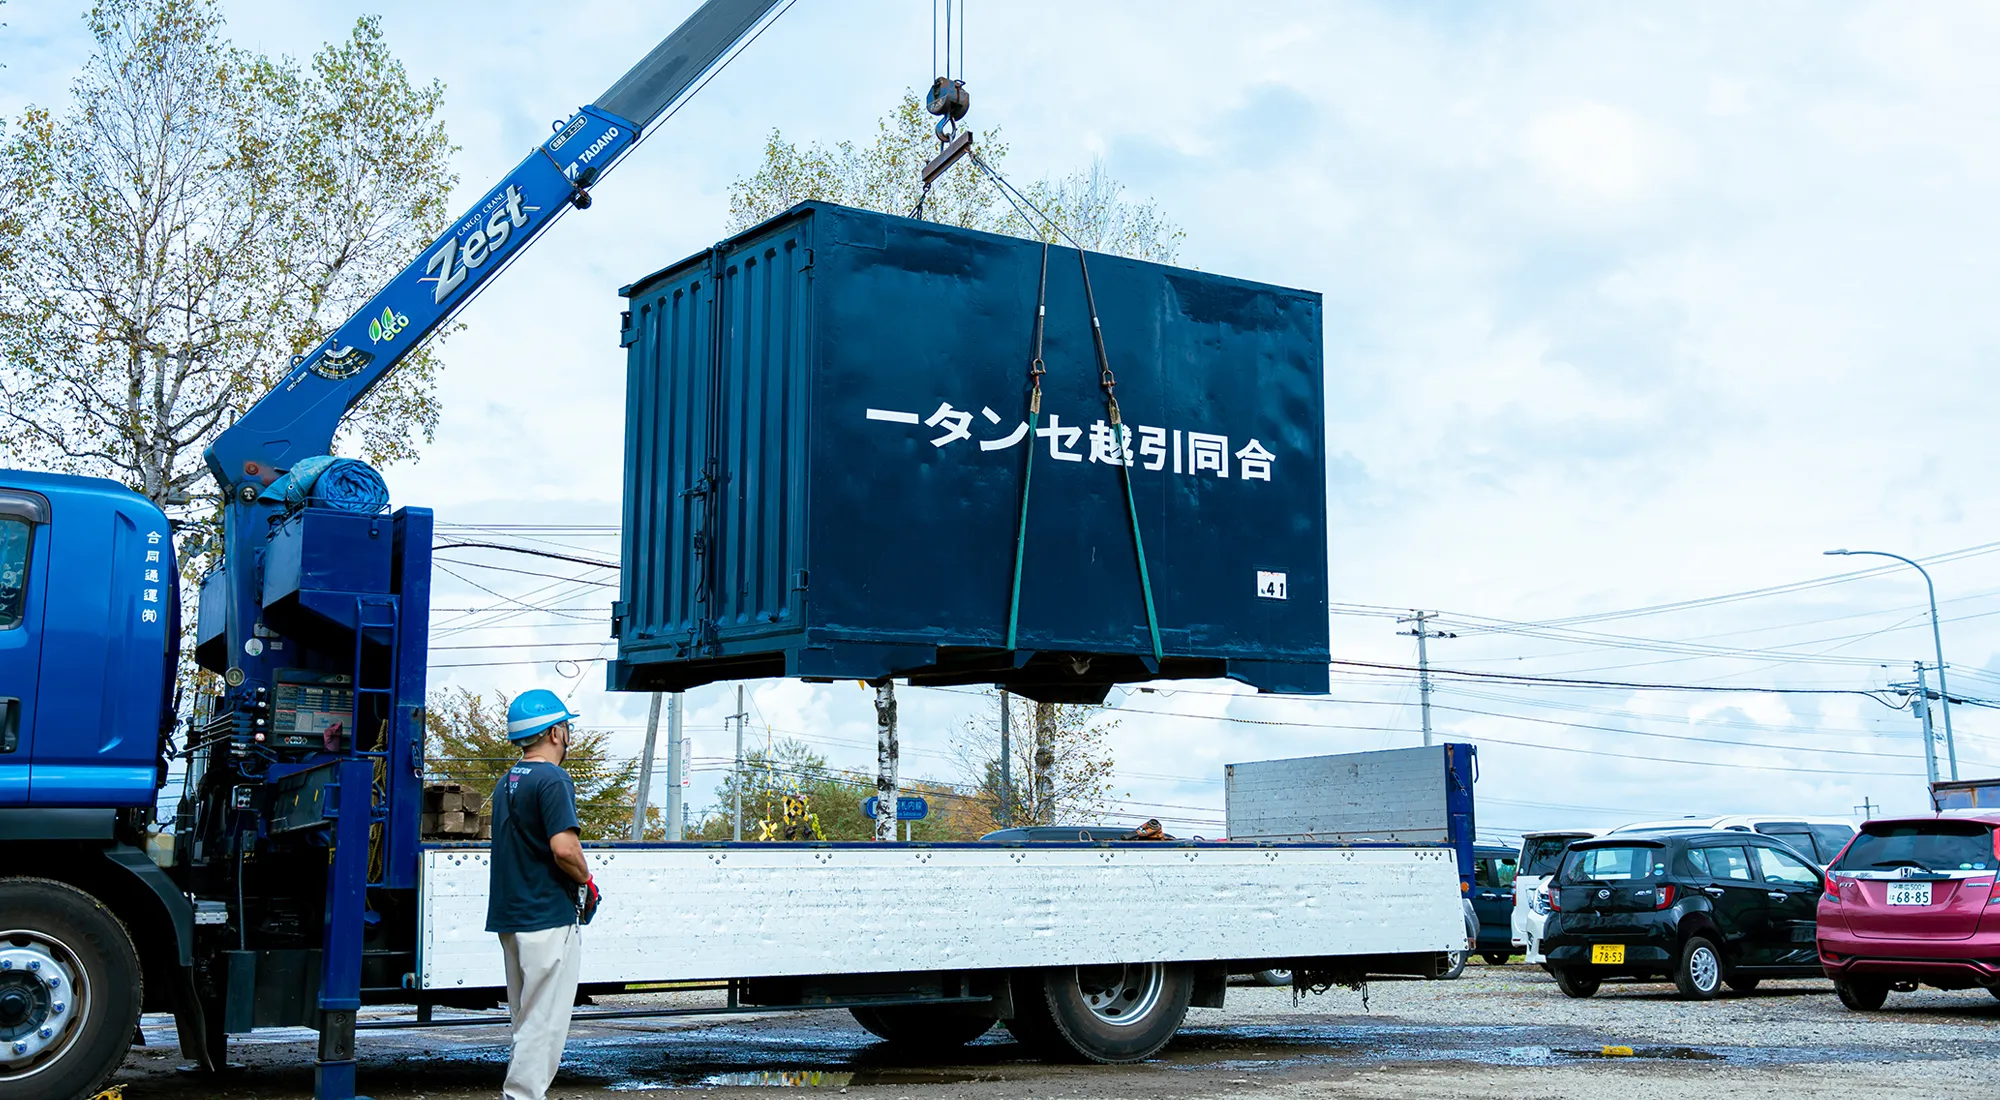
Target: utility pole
<point x="1423" y="634"/>
<point x="1006" y="761"/>
<point x="646" y="770"/>
<point x="676" y="768"/>
<point x="1867" y="808"/>
<point x="1920" y="701"/>
<point x="886" y="760"/>
<point x="736" y="775"/>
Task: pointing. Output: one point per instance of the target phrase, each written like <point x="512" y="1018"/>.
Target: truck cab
<point x="89" y="635"/>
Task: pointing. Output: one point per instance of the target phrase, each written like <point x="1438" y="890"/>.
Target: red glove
<point x="588" y="897"/>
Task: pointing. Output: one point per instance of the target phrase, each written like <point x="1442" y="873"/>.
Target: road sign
<point x="908" y="808"/>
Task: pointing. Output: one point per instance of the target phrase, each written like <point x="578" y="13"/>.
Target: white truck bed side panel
<point x="687" y="913"/>
<point x="1391" y="795"/>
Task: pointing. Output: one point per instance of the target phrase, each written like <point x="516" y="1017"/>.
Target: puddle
<point x="1679" y="1054"/>
<point x="800" y="1079"/>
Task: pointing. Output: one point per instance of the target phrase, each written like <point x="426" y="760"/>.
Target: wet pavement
<point x="1502" y="1028"/>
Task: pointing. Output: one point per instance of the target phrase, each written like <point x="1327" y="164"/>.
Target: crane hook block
<point x="948" y="99"/>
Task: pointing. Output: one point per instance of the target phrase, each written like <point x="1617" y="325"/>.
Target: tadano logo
<point x="387" y="326"/>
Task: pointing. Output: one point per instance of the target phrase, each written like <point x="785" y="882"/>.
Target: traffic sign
<point x="908" y="808"/>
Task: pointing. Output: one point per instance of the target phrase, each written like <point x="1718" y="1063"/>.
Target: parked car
<point x="1540" y="853"/>
<point x="1817" y="838"/>
<point x="1702" y="909"/>
<point x="1493" y="870"/>
<point x="1911" y="901"/>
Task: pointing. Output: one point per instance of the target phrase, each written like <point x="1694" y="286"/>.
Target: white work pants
<point x="541" y="988"/>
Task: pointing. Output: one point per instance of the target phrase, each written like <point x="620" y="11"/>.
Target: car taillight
<point x="1555" y="900"/>
<point x="1832" y="892"/>
<point x="1666" y="897"/>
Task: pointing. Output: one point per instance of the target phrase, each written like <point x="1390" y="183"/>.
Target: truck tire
<point x="922" y="1027"/>
<point x="69" y="991"/>
<point x="1114" y="1015"/>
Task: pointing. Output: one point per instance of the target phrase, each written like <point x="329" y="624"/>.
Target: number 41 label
<point x="1270" y="586"/>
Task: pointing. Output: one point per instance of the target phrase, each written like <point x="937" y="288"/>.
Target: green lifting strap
<point x="1118" y="437"/>
<point x="1035" y="372"/>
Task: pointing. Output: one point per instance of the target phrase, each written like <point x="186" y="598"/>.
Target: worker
<point x="540" y="891"/>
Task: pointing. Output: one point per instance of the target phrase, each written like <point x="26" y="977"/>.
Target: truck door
<point x="24" y="539"/>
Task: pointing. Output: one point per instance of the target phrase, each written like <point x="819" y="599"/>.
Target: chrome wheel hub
<point x="40" y="1002"/>
<point x="1122" y="995"/>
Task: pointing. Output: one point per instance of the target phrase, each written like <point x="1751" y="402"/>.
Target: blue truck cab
<point x="89" y="636"/>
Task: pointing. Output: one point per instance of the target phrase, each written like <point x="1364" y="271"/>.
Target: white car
<point x="1540" y="852"/>
<point x="1819" y="839"/>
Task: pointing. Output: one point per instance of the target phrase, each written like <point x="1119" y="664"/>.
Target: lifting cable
<point x="1108" y="382"/>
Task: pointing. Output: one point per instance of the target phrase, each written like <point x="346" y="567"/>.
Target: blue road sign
<point x="908" y="808"/>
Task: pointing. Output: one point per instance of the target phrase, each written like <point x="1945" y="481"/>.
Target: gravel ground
<point x="1496" y="1031"/>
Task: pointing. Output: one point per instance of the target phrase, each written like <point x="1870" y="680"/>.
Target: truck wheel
<point x="922" y="1026"/>
<point x="1863" y="994"/>
<point x="1698" y="974"/>
<point x="1575" y="982"/>
<point x="69" y="991"/>
<point x="1110" y="1014"/>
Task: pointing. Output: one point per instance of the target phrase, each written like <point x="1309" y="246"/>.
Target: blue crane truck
<point x="294" y="886"/>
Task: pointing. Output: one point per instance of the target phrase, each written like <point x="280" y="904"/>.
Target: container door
<point x="24" y="533"/>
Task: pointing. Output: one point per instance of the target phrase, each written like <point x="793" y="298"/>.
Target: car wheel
<point x="1994" y="989"/>
<point x="1284" y="977"/>
<point x="1454" y="965"/>
<point x="922" y="1026"/>
<point x="1742" y="983"/>
<point x="1574" y="982"/>
<point x="1495" y="958"/>
<point x="69" y="991"/>
<point x="1698" y="974"/>
<point x="1863" y="994"/>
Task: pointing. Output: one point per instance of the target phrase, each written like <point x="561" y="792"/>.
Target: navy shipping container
<point x="827" y="439"/>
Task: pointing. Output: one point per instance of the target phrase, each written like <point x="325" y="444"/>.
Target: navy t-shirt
<point x="528" y="893"/>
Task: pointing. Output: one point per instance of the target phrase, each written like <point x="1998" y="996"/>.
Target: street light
<point x="1937" y="639"/>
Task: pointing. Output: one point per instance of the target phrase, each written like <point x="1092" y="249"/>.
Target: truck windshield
<point x="1540" y="855"/>
<point x="1922" y="846"/>
<point x="1610" y="864"/>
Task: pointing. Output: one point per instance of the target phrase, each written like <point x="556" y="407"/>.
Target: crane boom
<point x="298" y="418"/>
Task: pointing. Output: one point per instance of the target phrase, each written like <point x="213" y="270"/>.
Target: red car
<point x="1911" y="901"/>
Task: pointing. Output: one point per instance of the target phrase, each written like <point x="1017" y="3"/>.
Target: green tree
<point x="882" y="175"/>
<point x="1061" y="767"/>
<point x="790" y="768"/>
<point x="465" y="741"/>
<point x="195" y="217"/>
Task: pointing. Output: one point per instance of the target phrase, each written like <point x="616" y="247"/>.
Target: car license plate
<point x="1909" y="893"/>
<point x="1608" y="954"/>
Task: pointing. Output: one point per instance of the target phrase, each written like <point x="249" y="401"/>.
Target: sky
<point x="1625" y="308"/>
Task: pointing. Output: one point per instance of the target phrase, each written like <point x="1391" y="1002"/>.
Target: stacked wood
<point x="454" y="811"/>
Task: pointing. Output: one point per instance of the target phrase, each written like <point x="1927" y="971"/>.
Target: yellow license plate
<point x="1607" y="954"/>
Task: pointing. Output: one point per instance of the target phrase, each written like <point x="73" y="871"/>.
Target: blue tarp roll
<point x="343" y="484"/>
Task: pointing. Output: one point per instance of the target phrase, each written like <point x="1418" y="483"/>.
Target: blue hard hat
<point x="531" y="712"/>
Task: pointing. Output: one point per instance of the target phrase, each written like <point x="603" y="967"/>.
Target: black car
<point x="1702" y="909"/>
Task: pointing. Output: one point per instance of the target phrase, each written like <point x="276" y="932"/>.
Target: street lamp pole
<point x="1937" y="640"/>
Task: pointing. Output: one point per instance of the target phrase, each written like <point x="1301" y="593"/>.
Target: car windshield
<point x="1611" y="864"/>
<point x="1922" y="846"/>
<point x="1540" y="855"/>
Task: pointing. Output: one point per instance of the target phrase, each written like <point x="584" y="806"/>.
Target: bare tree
<point x="882" y="175"/>
<point x="196" y="217"/>
<point x="1061" y="764"/>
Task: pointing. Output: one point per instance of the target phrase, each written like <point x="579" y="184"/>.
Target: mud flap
<point x="191" y="1023"/>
